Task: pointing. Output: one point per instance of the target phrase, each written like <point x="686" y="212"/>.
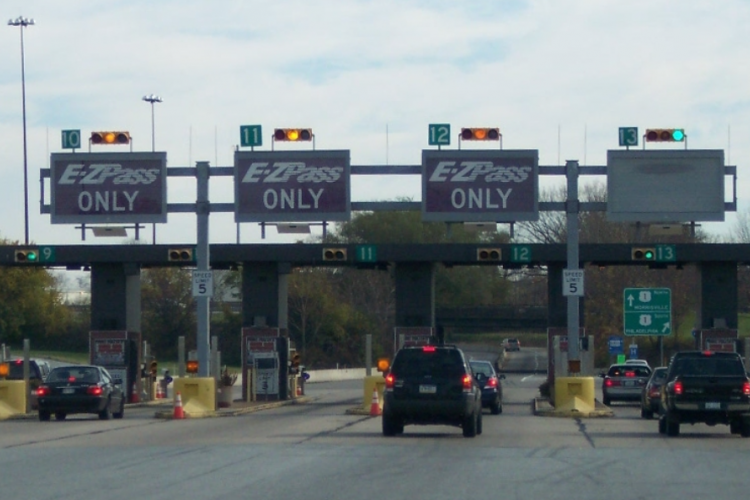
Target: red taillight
<point x="71" y="379"/>
<point x="19" y="361"/>
<point x="630" y="374"/>
<point x="708" y="353"/>
<point x="42" y="390"/>
<point x="746" y="388"/>
<point x="390" y="380"/>
<point x="677" y="387"/>
<point x="94" y="390"/>
<point x="428" y="348"/>
<point x="608" y="382"/>
<point x="653" y="392"/>
<point x="491" y="382"/>
<point x="466" y="382"/>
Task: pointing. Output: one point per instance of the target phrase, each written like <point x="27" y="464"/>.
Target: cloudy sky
<point x="367" y="76"/>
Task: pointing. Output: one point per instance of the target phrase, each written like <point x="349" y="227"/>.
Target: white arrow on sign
<point x="630" y="300"/>
<point x="666" y="327"/>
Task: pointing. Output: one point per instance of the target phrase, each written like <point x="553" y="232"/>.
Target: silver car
<point x="624" y="382"/>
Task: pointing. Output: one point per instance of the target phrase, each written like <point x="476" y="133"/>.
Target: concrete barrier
<point x="12" y="398"/>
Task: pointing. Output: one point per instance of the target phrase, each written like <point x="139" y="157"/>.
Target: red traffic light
<point x="292" y="134"/>
<point x="480" y="134"/>
<point x="110" y="138"/>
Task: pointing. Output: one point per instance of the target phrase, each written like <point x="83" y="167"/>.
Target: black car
<point x="38" y="370"/>
<point x="651" y="394"/>
<point x="431" y="385"/>
<point x="80" y="389"/>
<point x="489" y="381"/>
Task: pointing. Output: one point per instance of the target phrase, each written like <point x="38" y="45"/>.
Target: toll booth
<point x="119" y="352"/>
<point x="265" y="364"/>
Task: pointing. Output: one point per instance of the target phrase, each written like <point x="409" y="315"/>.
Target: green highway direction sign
<point x="647" y="311"/>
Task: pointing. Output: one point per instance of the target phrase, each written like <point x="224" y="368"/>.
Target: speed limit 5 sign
<point x="203" y="284"/>
<point x="573" y="282"/>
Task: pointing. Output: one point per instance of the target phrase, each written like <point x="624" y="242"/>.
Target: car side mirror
<point x="117" y="381"/>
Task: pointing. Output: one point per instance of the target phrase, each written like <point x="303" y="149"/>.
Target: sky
<point x="367" y="76"/>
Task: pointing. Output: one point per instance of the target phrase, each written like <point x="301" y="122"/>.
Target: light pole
<point x="151" y="98"/>
<point x="23" y="22"/>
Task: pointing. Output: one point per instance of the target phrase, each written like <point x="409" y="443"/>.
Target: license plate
<point x="68" y="390"/>
<point x="713" y="406"/>
<point x="628" y="383"/>
<point x="427" y="389"/>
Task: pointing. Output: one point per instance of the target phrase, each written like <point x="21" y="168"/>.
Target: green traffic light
<point x="678" y="135"/>
<point x="649" y="255"/>
<point x="31" y="256"/>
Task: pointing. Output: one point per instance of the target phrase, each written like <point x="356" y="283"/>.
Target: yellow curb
<point x="549" y="411"/>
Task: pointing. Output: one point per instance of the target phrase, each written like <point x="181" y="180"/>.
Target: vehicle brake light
<point x="746" y="388"/>
<point x="42" y="390"/>
<point x="630" y="374"/>
<point x="677" y="387"/>
<point x="390" y="381"/>
<point x="708" y="353"/>
<point x="428" y="348"/>
<point x="19" y="361"/>
<point x="94" y="390"/>
<point x="608" y="382"/>
<point x="491" y="382"/>
<point x="466" y="382"/>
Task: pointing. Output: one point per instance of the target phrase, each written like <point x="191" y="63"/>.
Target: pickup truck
<point x="705" y="387"/>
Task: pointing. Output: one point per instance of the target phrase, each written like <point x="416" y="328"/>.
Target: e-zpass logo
<point x="471" y="171"/>
<point x="281" y="172"/>
<point x="98" y="173"/>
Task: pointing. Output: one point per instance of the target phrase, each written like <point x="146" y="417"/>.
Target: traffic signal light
<point x="665" y="135"/>
<point x="292" y="134"/>
<point x="152" y="367"/>
<point x="334" y="254"/>
<point x="27" y="256"/>
<point x="480" y="134"/>
<point x="646" y="254"/>
<point x="110" y="138"/>
<point x="484" y="254"/>
<point x="180" y="255"/>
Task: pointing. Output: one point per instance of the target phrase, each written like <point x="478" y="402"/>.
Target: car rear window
<point x="625" y="371"/>
<point x="78" y="374"/>
<point x="483" y="368"/>
<point x="418" y="363"/>
<point x="16" y="370"/>
<point x="709" y="365"/>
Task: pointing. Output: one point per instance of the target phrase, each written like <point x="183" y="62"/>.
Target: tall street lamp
<point x="151" y="98"/>
<point x="22" y="23"/>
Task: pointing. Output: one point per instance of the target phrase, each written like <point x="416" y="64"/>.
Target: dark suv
<point x="431" y="385"/>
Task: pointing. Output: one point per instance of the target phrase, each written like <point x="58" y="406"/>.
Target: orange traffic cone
<point x="375" y="404"/>
<point x="178" y="411"/>
<point x="160" y="391"/>
<point x="134" y="398"/>
<point x="299" y="390"/>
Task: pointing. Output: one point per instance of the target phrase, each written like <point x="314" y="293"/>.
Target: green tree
<point x="167" y="310"/>
<point x="31" y="306"/>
